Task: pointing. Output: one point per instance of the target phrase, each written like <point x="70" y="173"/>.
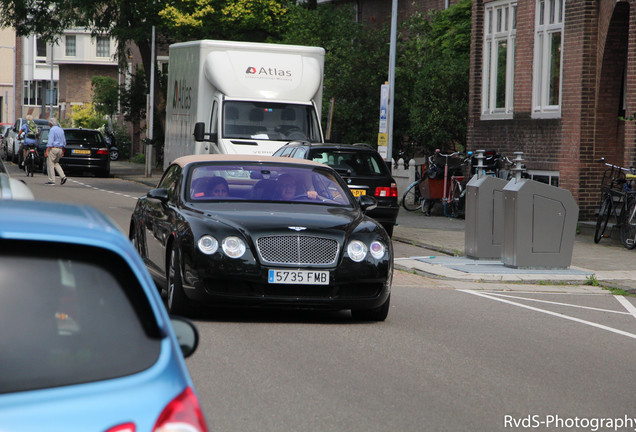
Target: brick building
<point x="551" y="78"/>
<point x="60" y="75"/>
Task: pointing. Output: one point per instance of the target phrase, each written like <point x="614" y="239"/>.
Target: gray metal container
<point x="539" y="225"/>
<point x="483" y="236"/>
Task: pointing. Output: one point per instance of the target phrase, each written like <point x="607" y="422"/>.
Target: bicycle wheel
<point x="452" y="206"/>
<point x="31" y="165"/>
<point x="603" y="217"/>
<point x="628" y="227"/>
<point x="411" y="200"/>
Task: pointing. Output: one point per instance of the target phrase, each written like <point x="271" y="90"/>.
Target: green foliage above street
<point x="252" y="20"/>
<point x="356" y="64"/>
<point x="432" y="78"/>
<point x="105" y="95"/>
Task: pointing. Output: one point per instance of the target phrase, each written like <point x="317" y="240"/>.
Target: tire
<point x="603" y="218"/>
<point x="411" y="199"/>
<point x="113" y="154"/>
<point x="176" y="301"/>
<point x="455" y="207"/>
<point x="389" y="229"/>
<point x="31" y="166"/>
<point x="628" y="227"/>
<point x="377" y="314"/>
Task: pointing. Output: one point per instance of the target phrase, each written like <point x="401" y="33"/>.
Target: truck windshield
<point x="270" y="121"/>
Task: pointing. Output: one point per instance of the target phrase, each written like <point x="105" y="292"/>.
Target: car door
<point x="159" y="219"/>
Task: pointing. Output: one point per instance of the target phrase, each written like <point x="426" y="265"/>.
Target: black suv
<point x="361" y="166"/>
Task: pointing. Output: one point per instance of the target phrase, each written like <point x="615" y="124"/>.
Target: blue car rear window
<point x="69" y="317"/>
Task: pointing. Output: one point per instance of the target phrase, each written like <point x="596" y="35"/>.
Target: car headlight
<point x="208" y="244"/>
<point x="357" y="250"/>
<point x="233" y="247"/>
<point x="377" y="249"/>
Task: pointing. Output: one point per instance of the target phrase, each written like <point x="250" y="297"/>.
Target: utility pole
<point x="392" y="49"/>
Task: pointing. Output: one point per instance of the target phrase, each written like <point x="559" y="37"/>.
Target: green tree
<point x="105" y="95"/>
<point x="252" y="20"/>
<point x="432" y="76"/>
<point x="356" y="64"/>
<point x="133" y="105"/>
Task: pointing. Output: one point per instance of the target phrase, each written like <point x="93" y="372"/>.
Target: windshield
<point x="270" y="121"/>
<point x="273" y="183"/>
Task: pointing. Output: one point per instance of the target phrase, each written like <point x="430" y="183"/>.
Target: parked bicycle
<point x="618" y="201"/>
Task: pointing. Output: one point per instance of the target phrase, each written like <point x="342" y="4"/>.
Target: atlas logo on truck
<point x="269" y="72"/>
<point x="241" y="97"/>
<point x="182" y="98"/>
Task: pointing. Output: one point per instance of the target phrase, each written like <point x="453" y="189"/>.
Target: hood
<point x="270" y="218"/>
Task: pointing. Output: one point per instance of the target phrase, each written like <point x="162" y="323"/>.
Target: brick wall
<point x="75" y="82"/>
<point x="595" y="54"/>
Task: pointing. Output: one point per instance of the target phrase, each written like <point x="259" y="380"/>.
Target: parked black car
<point x="86" y="151"/>
<point x="262" y="231"/>
<point x="361" y="166"/>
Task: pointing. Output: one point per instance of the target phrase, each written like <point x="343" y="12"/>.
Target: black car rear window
<point x="71" y="316"/>
<point x="86" y="138"/>
<point x="351" y="162"/>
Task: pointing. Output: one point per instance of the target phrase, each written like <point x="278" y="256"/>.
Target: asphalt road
<point x="446" y="359"/>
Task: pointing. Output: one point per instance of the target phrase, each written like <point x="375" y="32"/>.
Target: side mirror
<point x="200" y="133"/>
<point x="161" y="194"/>
<point x="367" y="202"/>
<point x="187" y="335"/>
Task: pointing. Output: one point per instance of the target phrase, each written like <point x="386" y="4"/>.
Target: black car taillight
<point x="387" y="191"/>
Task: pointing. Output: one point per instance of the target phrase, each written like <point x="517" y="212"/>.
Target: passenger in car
<point x="210" y="187"/>
<point x="287" y="189"/>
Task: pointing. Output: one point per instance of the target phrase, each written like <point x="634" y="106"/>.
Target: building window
<point x="38" y="93"/>
<point x="548" y="58"/>
<point x="40" y="50"/>
<point x="103" y="46"/>
<point x="547" y="177"/>
<point x="70" y="46"/>
<point x="500" y="28"/>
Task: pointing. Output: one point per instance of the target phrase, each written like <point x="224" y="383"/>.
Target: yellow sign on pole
<point x="382" y="144"/>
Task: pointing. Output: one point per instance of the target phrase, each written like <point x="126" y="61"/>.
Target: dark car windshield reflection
<point x="269" y="183"/>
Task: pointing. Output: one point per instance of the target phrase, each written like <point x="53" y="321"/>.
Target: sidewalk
<point x="442" y="244"/>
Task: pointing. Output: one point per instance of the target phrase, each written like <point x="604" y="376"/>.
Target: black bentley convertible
<point x="240" y="230"/>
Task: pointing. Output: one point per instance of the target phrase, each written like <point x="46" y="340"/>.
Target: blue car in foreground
<point x="86" y="342"/>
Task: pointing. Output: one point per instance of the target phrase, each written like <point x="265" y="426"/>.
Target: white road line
<point x="627" y="305"/>
<point x="590" y="323"/>
<point x="560" y="304"/>
<point x="104" y="190"/>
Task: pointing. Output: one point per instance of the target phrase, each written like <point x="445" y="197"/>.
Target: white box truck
<point x="241" y="97"/>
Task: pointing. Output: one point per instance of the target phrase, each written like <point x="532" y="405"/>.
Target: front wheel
<point x="176" y="302"/>
<point x="603" y="218"/>
<point x="377" y="314"/>
<point x="411" y="200"/>
<point x="628" y="227"/>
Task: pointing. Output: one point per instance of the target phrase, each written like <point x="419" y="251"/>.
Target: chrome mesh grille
<point x="297" y="249"/>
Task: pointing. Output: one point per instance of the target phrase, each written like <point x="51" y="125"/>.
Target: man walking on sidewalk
<point x="55" y="151"/>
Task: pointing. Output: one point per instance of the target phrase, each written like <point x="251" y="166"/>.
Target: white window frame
<point x="549" y="19"/>
<point x="70" y="48"/>
<point x="500" y="26"/>
<point x="102" y="46"/>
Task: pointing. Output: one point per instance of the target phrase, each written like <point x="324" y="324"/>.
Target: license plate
<point x="81" y="152"/>
<point x="305" y="277"/>
<point x="358" y="192"/>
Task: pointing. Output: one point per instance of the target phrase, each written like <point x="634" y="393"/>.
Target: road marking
<point x="104" y="190"/>
<point x="561" y="304"/>
<point x="627" y="305"/>
<point x="558" y="315"/>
